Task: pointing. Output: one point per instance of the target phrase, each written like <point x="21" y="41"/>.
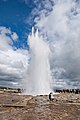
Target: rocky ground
<point x="21" y="107"/>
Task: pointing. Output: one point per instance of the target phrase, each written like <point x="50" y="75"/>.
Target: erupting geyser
<point x="39" y="75"/>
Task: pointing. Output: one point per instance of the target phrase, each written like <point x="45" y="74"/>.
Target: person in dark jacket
<point x="51" y="96"/>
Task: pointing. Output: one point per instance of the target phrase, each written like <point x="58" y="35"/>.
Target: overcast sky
<point x="58" y="22"/>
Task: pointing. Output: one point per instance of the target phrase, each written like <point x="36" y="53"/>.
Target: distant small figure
<point x="51" y="97"/>
<point x="19" y="90"/>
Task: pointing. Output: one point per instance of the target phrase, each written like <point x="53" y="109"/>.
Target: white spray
<point x="39" y="75"/>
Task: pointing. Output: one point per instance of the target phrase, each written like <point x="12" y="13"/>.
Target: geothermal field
<point x="34" y="103"/>
<point x="14" y="106"/>
<point x="39" y="59"/>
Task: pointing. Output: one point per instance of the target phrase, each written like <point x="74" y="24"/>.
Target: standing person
<point x="51" y="96"/>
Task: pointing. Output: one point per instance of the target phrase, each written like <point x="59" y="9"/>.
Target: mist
<point x="38" y="79"/>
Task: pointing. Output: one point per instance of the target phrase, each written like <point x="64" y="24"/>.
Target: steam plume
<point x="39" y="75"/>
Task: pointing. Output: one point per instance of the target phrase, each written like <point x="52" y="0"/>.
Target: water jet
<point x="39" y="75"/>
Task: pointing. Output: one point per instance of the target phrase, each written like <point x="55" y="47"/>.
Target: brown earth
<point x="24" y="107"/>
